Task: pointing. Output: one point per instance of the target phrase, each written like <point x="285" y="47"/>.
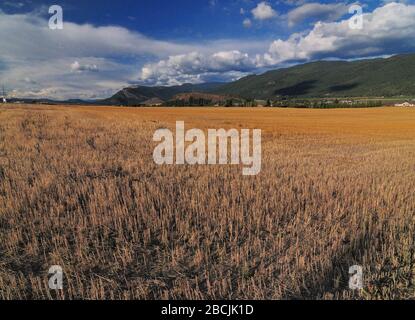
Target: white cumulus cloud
<point x="387" y="30"/>
<point x="317" y="11"/>
<point x="263" y="11"/>
<point x="196" y="67"/>
<point x="247" y="23"/>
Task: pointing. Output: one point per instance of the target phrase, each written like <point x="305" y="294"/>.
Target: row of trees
<point x="190" y="102"/>
<point x="288" y="103"/>
<point x="224" y="103"/>
<point x="327" y="104"/>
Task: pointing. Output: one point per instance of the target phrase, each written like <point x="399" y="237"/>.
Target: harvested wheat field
<point x="79" y="188"/>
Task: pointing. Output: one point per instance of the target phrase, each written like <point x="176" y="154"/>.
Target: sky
<point x="104" y="46"/>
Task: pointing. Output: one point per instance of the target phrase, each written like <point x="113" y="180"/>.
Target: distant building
<point x="153" y="102"/>
<point x="260" y="103"/>
<point x="405" y="104"/>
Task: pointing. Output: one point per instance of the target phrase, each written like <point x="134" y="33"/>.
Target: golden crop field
<point x="79" y="188"/>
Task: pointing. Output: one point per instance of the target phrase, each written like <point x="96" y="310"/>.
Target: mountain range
<point x="381" y="77"/>
<point x="391" y="77"/>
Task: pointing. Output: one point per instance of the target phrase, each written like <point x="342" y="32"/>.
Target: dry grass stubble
<point x="79" y="188"/>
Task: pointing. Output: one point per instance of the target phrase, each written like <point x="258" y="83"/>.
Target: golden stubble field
<point x="79" y="188"/>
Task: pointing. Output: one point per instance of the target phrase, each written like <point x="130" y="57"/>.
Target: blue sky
<point x="184" y="20"/>
<point x="106" y="45"/>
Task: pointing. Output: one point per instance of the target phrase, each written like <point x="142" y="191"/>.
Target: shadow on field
<point x="385" y="267"/>
<point x="334" y="279"/>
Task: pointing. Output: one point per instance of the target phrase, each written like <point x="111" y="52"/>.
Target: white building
<point x="405" y="104"/>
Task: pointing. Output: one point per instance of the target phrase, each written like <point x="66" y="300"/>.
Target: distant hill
<point x="137" y="95"/>
<point x="394" y="76"/>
